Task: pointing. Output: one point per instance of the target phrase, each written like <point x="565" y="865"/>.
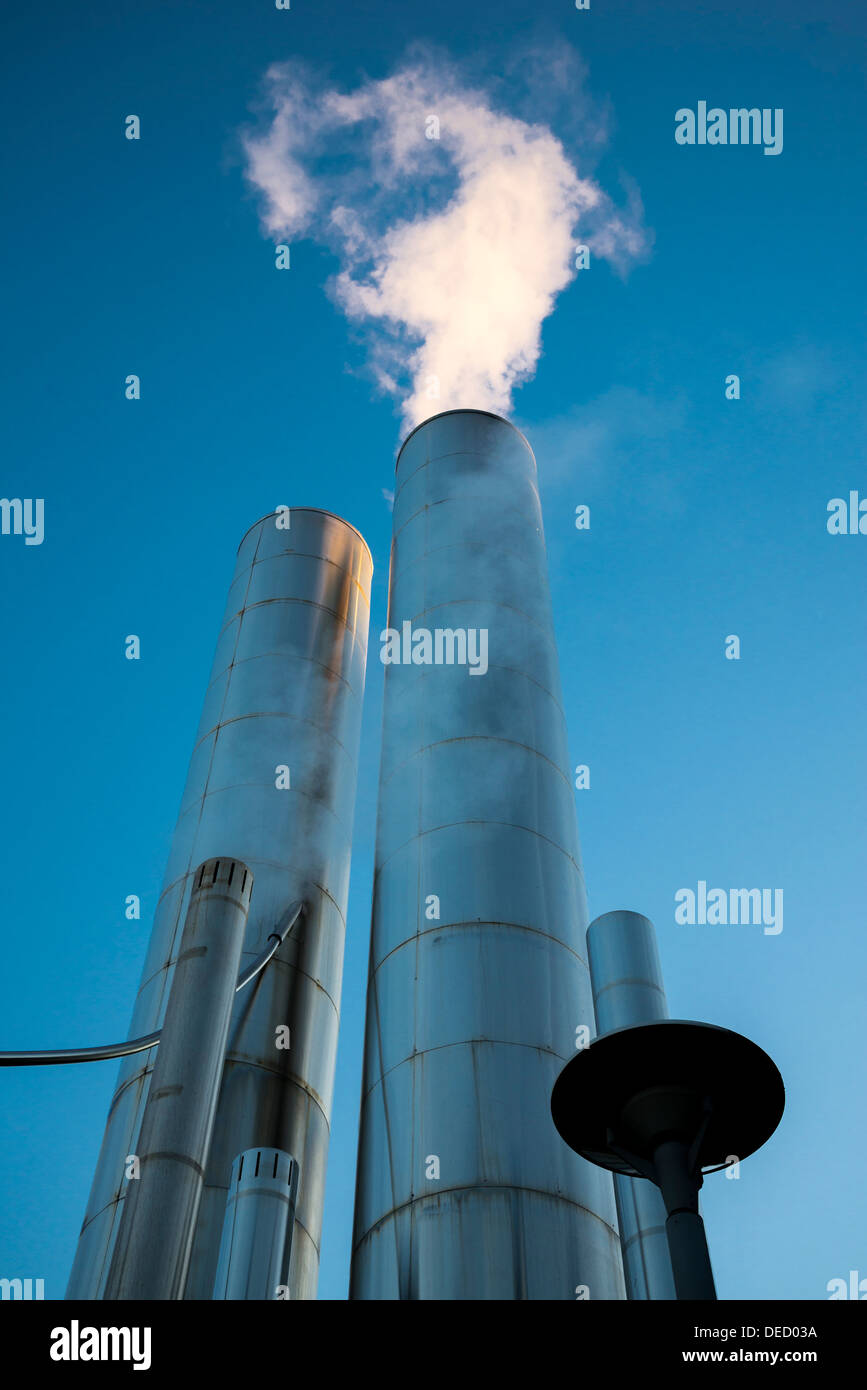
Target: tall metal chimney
<point x="478" y="977"/>
<point x="272" y="783"/>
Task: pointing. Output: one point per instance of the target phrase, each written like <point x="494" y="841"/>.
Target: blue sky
<point x="708" y="518"/>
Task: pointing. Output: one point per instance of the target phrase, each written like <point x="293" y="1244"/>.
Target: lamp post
<point x="670" y="1101"/>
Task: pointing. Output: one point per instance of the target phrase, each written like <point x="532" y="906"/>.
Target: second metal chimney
<point x="478" y="977"/>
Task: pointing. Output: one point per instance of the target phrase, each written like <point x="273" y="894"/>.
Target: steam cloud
<point x="455" y="226"/>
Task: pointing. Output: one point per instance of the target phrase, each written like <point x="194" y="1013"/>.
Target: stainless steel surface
<point x="152" y="1251"/>
<point x="285" y="689"/>
<point x="257" y="1232"/>
<point x="126" y="1049"/>
<point x="628" y="988"/>
<point x="471" y="1015"/>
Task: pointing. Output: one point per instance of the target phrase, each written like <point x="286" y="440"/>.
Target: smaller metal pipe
<point x="256" y="1243"/>
<point x="160" y="1205"/>
<point x="625" y="971"/>
<point x="628" y="988"/>
<point x="58" y="1057"/>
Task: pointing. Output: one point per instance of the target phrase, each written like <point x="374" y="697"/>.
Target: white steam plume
<point x="456" y="225"/>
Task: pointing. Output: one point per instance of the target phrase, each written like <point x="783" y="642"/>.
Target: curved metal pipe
<point x="45" y="1057"/>
<point x="79" y="1054"/>
<point x="277" y="937"/>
